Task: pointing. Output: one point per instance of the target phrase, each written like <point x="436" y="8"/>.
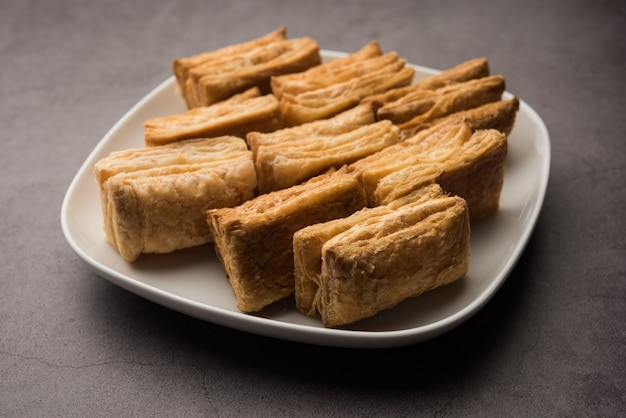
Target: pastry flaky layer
<point x="352" y="268"/>
<point x="153" y="199"/>
<point x="254" y="240"/>
<point x="208" y="78"/>
<point x="183" y="66"/>
<point x="465" y="162"/>
<point x="292" y="155"/>
<point x="245" y="112"/>
<point x="332" y="87"/>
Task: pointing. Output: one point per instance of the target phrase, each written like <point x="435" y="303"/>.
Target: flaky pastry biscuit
<point x="499" y="115"/>
<point x="236" y="116"/>
<point x="287" y="163"/>
<point x="328" y="101"/>
<point x="425" y="105"/>
<point x="182" y="66"/>
<point x="425" y="151"/>
<point x="468" y="70"/>
<point x="308" y="243"/>
<point x="390" y="256"/>
<point x="473" y="170"/>
<point x="469" y="164"/>
<point x="254" y="240"/>
<point x="330" y="72"/>
<point x="153" y="199"/>
<point x="214" y="81"/>
<point x="343" y="122"/>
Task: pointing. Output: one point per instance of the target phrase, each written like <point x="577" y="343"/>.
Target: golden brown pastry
<point x="341" y="123"/>
<point x="213" y="81"/>
<point x="498" y="115"/>
<point x="469" y="164"/>
<point x="474" y="170"/>
<point x="335" y="98"/>
<point x="254" y="240"/>
<point x="330" y="72"/>
<point x="153" y="199"/>
<point x="308" y="243"/>
<point x="468" y="70"/>
<point x="182" y="66"/>
<point x="387" y="257"/>
<point x="236" y="116"/>
<point x="425" y="105"/>
<point x="425" y="151"/>
<point x="287" y="163"/>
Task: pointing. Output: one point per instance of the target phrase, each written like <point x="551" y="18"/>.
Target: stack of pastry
<point x="254" y="239"/>
<point x="210" y="77"/>
<point x="352" y="268"/>
<point x="465" y="91"/>
<point x="467" y="163"/>
<point x="343" y="182"/>
<point x="292" y="155"/>
<point x="239" y="114"/>
<point x="153" y="198"/>
<point x="335" y="86"/>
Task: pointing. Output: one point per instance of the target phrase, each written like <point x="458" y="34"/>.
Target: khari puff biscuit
<point x="341" y="123"/>
<point x="327" y="101"/>
<point x="291" y="155"/>
<point x="153" y="199"/>
<point x="308" y="243"/>
<point x="475" y="171"/>
<point x="330" y="72"/>
<point x="254" y="240"/>
<point x="182" y="66"/>
<point x="468" y="70"/>
<point x="498" y="115"/>
<point x="236" y="116"/>
<point x="466" y="163"/>
<point x="383" y="259"/>
<point x="425" y="105"/>
<point x="425" y="151"/>
<point x="213" y="81"/>
<point x="288" y="163"/>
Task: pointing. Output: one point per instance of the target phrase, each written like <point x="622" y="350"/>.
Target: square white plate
<point x="193" y="281"/>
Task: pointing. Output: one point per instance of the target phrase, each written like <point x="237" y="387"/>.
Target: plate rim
<point x="298" y="332"/>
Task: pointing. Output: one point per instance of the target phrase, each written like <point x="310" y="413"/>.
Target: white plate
<point x="193" y="282"/>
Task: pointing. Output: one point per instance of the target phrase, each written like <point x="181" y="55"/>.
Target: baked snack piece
<point x="182" y="66"/>
<point x="467" y="163"/>
<point x="153" y="199"/>
<point x="389" y="256"/>
<point x="425" y="105"/>
<point x="254" y="240"/>
<point x="236" y="116"/>
<point x="474" y="170"/>
<point x="425" y="151"/>
<point x="499" y="115"/>
<point x="216" y="80"/>
<point x="308" y="243"/>
<point x="327" y="101"/>
<point x="468" y="70"/>
<point x="331" y="72"/>
<point x="341" y="123"/>
<point x="290" y="162"/>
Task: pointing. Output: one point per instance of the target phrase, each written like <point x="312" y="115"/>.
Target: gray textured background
<point x="551" y="342"/>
